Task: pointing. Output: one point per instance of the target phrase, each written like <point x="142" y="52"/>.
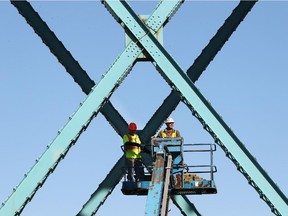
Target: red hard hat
<point x="132" y="126"/>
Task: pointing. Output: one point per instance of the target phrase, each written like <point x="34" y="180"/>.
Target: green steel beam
<point x="57" y="48"/>
<point x="104" y="189"/>
<point x="54" y="44"/>
<point x="219" y="39"/>
<point x="200" y="64"/>
<point x="174" y="75"/>
<point x="187" y="209"/>
<point x="65" y="139"/>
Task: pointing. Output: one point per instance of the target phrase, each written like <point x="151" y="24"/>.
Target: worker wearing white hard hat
<point x="169" y="131"/>
<point x="169" y="120"/>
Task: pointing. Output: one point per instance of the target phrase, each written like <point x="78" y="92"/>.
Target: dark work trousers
<point x="134" y="167"/>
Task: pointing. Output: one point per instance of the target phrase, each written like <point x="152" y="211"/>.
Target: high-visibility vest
<point x="164" y="134"/>
<point x="132" y="151"/>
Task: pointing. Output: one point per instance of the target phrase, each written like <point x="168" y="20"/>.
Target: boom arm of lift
<point x="158" y="196"/>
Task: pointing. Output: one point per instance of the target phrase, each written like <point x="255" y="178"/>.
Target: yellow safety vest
<point x="164" y="134"/>
<point x="132" y="151"/>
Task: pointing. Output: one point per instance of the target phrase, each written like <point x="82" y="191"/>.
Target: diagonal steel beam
<point x="199" y="65"/>
<point x="185" y="208"/>
<point x="57" y="48"/>
<point x="105" y="188"/>
<point x="68" y="136"/>
<point x="201" y="108"/>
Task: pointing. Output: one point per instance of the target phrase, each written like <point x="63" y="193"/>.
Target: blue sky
<point x="246" y="83"/>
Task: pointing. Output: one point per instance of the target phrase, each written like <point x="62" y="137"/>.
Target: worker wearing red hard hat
<point x="169" y="131"/>
<point x="132" y="146"/>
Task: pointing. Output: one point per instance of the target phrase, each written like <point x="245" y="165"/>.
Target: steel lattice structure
<point x="183" y="90"/>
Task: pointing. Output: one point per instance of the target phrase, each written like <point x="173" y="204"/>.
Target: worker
<point x="169" y="131"/>
<point x="132" y="146"/>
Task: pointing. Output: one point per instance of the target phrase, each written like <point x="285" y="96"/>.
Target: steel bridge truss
<point x="183" y="89"/>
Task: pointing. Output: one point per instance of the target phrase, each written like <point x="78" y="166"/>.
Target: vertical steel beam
<point x="174" y="75"/>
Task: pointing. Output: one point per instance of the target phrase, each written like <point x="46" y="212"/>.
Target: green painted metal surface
<point x="187" y="209"/>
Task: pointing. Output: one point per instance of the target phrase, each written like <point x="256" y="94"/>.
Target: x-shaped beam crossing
<point x="97" y="101"/>
<point x="201" y="108"/>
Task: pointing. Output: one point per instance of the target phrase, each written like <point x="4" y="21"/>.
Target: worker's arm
<point x="132" y="144"/>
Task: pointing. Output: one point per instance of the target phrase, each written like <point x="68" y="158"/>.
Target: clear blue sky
<point x="246" y="84"/>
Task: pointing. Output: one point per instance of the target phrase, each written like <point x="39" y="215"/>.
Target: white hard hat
<point x="169" y="120"/>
